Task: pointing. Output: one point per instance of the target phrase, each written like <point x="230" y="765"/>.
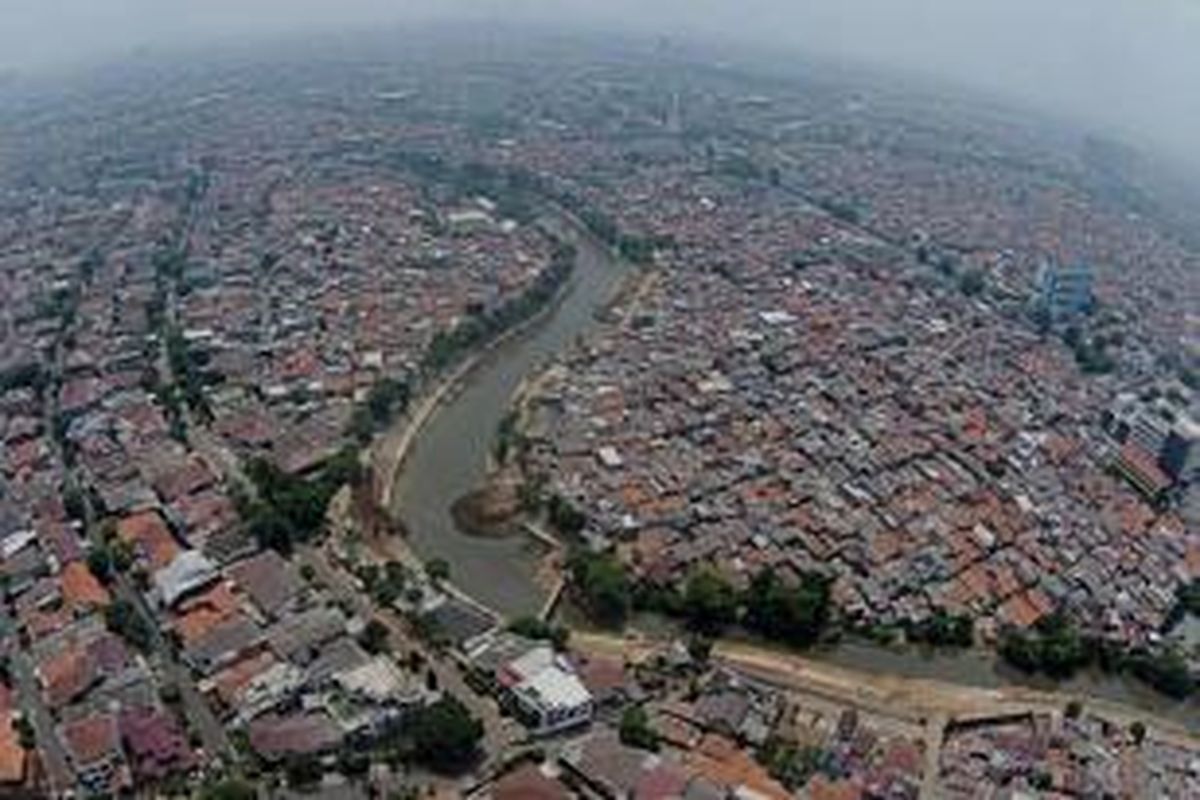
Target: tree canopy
<point x="445" y="735"/>
<point x="602" y="586"/>
<point x="796" y="614"/>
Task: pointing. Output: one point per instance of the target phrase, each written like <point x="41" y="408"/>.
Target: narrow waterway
<point x="449" y="457"/>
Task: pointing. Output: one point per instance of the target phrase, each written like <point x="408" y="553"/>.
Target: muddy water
<point x="449" y="457"/>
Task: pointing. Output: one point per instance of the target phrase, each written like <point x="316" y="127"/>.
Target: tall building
<point x="1180" y="456"/>
<point x="1163" y="430"/>
<point x="1064" y="292"/>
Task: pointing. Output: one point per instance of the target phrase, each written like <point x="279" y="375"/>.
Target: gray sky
<point x="1133" y="65"/>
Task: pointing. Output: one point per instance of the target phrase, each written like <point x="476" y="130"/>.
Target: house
<point x="552" y="700"/>
<point x="155" y="744"/>
<point x="12" y="755"/>
<point x="541" y="686"/>
<point x="373" y="696"/>
<point x="270" y="581"/>
<point x="93" y="745"/>
<point x="66" y="676"/>
<point x="299" y="637"/>
<point x="606" y="679"/>
<point x="605" y="765"/>
<point x="527" y="782"/>
<point x="188" y="572"/>
<point x="224" y="643"/>
<point x="270" y="688"/>
<point x="151" y="538"/>
<point x="81" y="592"/>
<point x="277" y="737"/>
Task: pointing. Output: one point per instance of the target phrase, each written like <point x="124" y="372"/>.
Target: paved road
<point x="175" y="673"/>
<point x="54" y="756"/>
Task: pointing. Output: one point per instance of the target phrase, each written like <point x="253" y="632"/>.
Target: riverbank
<point x="443" y="451"/>
<point x="902" y="697"/>
<point x="389" y="452"/>
<point x="972" y="669"/>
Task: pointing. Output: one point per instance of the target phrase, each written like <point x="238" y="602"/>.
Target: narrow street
<point x="199" y="715"/>
<point x="54" y="757"/>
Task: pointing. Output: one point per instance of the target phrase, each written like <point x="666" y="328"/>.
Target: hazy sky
<point x="1130" y="64"/>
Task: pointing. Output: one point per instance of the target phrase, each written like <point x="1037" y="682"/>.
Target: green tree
<point x="565" y="516"/>
<point x="635" y="729"/>
<point x="445" y="736"/>
<point x="438" y="570"/>
<point x="1166" y="670"/>
<point x="374" y="637"/>
<point x="302" y="772"/>
<point x="794" y="614"/>
<point x="124" y="620"/>
<point x="26" y="735"/>
<point x="1054" y="646"/>
<point x="602" y="586"/>
<point x="535" y="628"/>
<point x="943" y="629"/>
<point x="100" y="562"/>
<point x="709" y="602"/>
<point x="972" y="282"/>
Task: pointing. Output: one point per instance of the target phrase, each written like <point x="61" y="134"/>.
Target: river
<point x="449" y="458"/>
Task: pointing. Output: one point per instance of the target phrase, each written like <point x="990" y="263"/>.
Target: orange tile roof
<point x="1192" y="559"/>
<point x="12" y="755"/>
<point x="230" y="681"/>
<point x="202" y="613"/>
<point x="80" y="589"/>
<point x="722" y="761"/>
<point x="43" y="623"/>
<point x="1020" y="611"/>
<point x="66" y="675"/>
<point x="1143" y="467"/>
<point x="147" y="530"/>
<point x="822" y="788"/>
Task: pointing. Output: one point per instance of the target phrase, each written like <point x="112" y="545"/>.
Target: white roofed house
<point x="365" y="700"/>
<point x="537" y="683"/>
<point x="548" y="695"/>
<point x="188" y="572"/>
<point x="553" y="700"/>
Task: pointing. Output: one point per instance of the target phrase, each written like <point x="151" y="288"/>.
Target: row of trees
<point x="942" y="629"/>
<point x="1056" y="647"/>
<point x="537" y="628"/>
<point x="602" y="586"/>
<point x="190" y="368"/>
<point x="793" y="611"/>
<point x="448" y="347"/>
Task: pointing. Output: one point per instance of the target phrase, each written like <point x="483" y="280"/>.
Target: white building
<point x="189" y="572"/>
<point x="542" y="685"/>
<point x="553" y="700"/>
